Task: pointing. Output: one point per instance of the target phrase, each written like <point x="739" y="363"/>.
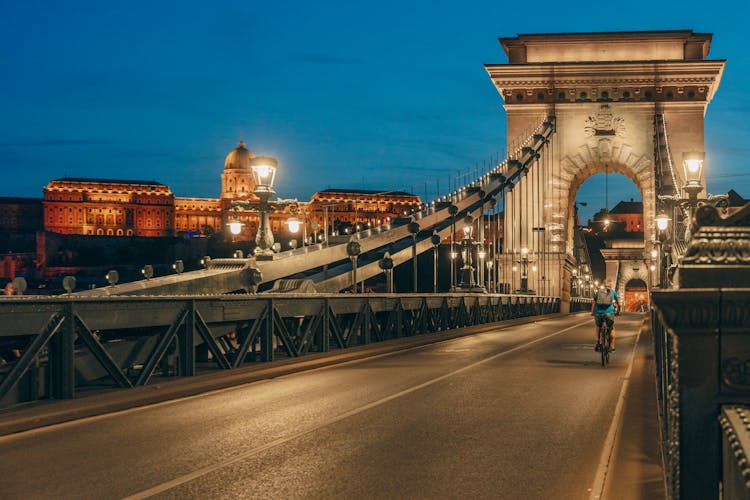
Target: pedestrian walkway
<point x="636" y="469"/>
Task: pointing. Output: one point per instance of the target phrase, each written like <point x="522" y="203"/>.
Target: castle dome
<point x="239" y="157"/>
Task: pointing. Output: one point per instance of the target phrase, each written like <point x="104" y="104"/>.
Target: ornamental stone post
<point x="706" y="321"/>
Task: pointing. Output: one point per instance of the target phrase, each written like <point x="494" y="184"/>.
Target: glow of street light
<point x="235" y="227"/>
<point x="293" y="223"/>
<point x="662" y="221"/>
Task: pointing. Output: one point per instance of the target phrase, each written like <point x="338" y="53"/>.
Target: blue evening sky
<point x="369" y="95"/>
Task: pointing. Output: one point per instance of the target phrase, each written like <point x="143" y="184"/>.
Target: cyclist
<point x="605" y="306"/>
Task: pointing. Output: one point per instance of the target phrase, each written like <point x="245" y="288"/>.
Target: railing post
<point x="325" y="330"/>
<point x="186" y="341"/>
<point x="266" y="338"/>
<point x="61" y="373"/>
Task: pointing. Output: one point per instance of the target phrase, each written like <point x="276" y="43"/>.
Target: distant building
<point x="629" y="214"/>
<point x="112" y="207"/>
<point x="20" y="214"/>
<point x="108" y="207"/>
<point x="369" y="208"/>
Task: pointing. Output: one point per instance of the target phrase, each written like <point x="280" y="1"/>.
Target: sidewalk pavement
<point x="636" y="468"/>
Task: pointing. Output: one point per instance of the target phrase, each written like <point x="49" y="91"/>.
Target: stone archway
<point x="633" y="290"/>
<point x="612" y="95"/>
<point x="604" y="144"/>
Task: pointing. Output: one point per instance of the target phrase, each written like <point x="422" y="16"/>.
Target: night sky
<point x="368" y="95"/>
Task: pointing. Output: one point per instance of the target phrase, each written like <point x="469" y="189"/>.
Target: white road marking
<point x="155" y="490"/>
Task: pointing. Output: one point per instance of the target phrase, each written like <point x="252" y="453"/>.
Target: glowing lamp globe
<point x="294" y="224"/>
<point x="662" y="221"/>
<point x="264" y="171"/>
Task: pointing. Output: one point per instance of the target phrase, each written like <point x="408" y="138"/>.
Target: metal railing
<point x="578" y="304"/>
<point x="668" y="398"/>
<point x="62" y="344"/>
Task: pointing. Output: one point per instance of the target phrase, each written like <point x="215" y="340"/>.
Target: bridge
<point x="489" y="386"/>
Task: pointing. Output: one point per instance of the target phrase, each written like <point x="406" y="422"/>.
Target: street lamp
<point x="453" y="210"/>
<point x="435" y="240"/>
<point x="662" y="221"/>
<point x="481" y="255"/>
<point x="524" y="261"/>
<point x="692" y="163"/>
<point x="574" y="282"/>
<point x="353" y="249"/>
<point x="413" y="228"/>
<point x="386" y="264"/>
<point x="263" y="169"/>
<point x="264" y="174"/>
<point x="466" y="272"/>
<point x="294" y="223"/>
<point x="453" y="256"/>
<point x="235" y="225"/>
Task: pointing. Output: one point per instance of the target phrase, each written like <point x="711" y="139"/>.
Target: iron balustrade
<point x="66" y="343"/>
<point x="578" y="304"/>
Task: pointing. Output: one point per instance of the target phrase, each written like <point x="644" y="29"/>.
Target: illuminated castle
<point x="109" y="207"/>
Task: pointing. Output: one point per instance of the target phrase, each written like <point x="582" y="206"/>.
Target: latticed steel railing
<point x="53" y="346"/>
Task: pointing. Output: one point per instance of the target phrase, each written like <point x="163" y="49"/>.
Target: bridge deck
<point x="507" y="412"/>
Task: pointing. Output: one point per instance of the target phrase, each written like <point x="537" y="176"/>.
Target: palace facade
<point x="109" y="207"/>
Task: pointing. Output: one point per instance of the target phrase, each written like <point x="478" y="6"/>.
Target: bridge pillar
<point x="612" y="95"/>
<point x="703" y="351"/>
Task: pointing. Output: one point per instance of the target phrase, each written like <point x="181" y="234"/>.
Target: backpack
<point x="604" y="297"/>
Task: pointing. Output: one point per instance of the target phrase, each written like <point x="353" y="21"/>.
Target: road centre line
<point x="282" y="440"/>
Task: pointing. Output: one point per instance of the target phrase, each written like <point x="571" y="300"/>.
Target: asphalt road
<point x="522" y="412"/>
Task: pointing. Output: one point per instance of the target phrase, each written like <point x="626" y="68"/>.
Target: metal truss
<point x="69" y="343"/>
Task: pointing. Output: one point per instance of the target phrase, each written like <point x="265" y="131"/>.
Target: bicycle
<point x="604" y="342"/>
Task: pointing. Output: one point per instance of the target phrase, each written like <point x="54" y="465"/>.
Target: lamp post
<point x="435" y="240"/>
<point x="386" y="264"/>
<point x="453" y="210"/>
<point x="294" y="223"/>
<point x="524" y="261"/>
<point x="413" y="229"/>
<point x="453" y="257"/>
<point x="353" y="249"/>
<point x="491" y="282"/>
<point x="692" y="163"/>
<point x="264" y="173"/>
<point x="466" y="273"/>
<point x="235" y="225"/>
<point x="481" y="255"/>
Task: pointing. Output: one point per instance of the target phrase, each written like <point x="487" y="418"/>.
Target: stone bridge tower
<point x="612" y="95"/>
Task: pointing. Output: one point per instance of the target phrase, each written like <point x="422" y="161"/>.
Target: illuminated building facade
<point x="349" y="207"/>
<point x="629" y="214"/>
<point x="109" y="207"/>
